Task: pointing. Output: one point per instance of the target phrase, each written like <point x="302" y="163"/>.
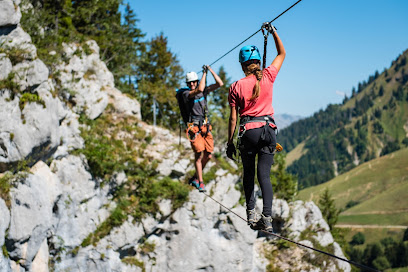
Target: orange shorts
<point x="201" y="141"/>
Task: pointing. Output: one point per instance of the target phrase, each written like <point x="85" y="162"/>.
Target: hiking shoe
<point x="194" y="182"/>
<point x="201" y="187"/>
<point x="265" y="223"/>
<point x="251" y="217"/>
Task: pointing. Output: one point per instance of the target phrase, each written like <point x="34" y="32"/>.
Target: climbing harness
<point x="251" y="119"/>
<point x="252" y="35"/>
<point x="199" y="124"/>
<point x="294" y="242"/>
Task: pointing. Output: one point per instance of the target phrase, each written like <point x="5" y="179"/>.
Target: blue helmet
<point x="249" y="52"/>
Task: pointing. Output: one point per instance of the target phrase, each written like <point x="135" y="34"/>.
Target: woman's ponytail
<point x="254" y="69"/>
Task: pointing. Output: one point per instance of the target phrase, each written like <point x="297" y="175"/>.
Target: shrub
<point x="9" y="84"/>
<point x="358" y="239"/>
<point x="30" y="98"/>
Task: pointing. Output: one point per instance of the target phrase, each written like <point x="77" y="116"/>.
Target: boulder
<point x="122" y="103"/>
<point x="10" y="13"/>
<point x="18" y="39"/>
<point x="30" y="74"/>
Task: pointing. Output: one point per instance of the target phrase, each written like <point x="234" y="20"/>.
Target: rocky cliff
<point x="51" y="203"/>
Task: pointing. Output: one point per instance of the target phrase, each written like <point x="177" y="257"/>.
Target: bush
<point x="381" y="263"/>
<point x="389" y="148"/>
<point x="405" y="238"/>
<point x="30" y="98"/>
<point x="351" y="203"/>
<point x="358" y="239"/>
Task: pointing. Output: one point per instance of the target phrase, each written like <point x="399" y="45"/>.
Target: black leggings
<point x="251" y="145"/>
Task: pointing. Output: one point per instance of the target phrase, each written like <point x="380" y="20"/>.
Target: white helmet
<point x="192" y="76"/>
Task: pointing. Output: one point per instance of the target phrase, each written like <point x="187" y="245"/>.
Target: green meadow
<point x="374" y="193"/>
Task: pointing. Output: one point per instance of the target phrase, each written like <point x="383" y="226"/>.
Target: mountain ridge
<point x="371" y="123"/>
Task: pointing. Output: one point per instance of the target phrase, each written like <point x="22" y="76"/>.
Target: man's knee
<point x="198" y="156"/>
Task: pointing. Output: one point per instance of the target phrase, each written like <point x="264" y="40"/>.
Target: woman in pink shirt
<point x="251" y="98"/>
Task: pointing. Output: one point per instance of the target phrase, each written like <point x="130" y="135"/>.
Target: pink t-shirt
<point x="241" y="92"/>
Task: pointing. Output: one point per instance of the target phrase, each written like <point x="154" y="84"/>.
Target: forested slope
<point x="371" y="123"/>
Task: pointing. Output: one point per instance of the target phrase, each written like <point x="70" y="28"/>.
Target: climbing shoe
<point x="194" y="182"/>
<point x="251" y="217"/>
<point x="278" y="147"/>
<point x="201" y="187"/>
<point x="265" y="223"/>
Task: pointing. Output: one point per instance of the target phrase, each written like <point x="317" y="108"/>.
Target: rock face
<point x="9" y="13"/>
<point x="52" y="208"/>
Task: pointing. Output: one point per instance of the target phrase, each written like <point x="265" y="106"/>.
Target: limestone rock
<point x="94" y="259"/>
<point x="346" y="267"/>
<point x="17" y="38"/>
<point x="124" y="237"/>
<point x="5" y="264"/>
<point x="69" y="135"/>
<point x="5" y="66"/>
<point x="31" y="213"/>
<point x="80" y="208"/>
<point x="123" y="104"/>
<point x="40" y="263"/>
<point x="10" y="13"/>
<point x="31" y="133"/>
<point x="30" y="74"/>
<point x="86" y="76"/>
<point x="4" y="222"/>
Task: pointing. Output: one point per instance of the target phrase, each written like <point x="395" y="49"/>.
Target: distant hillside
<point x="284" y="120"/>
<point x="371" y="123"/>
<point x="374" y="193"/>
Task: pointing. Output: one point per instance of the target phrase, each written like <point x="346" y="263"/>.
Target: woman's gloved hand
<point x="231" y="151"/>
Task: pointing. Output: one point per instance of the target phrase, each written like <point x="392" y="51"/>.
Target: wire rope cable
<point x="294" y="242"/>
<point x="252" y="34"/>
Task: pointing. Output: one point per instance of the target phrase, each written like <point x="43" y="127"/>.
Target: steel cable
<point x="299" y="244"/>
<point x="252" y="35"/>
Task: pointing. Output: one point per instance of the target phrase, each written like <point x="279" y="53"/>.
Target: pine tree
<point x="158" y="76"/>
<point x="219" y="109"/>
<point x="328" y="208"/>
<point x="285" y="185"/>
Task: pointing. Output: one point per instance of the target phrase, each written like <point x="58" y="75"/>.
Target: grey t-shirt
<point x="198" y="103"/>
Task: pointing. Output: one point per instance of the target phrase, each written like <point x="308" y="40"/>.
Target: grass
<point x="30" y="98"/>
<point x="9" y="180"/>
<point x="402" y="269"/>
<point x="296" y="153"/>
<point x="374" y="235"/>
<point x="378" y="185"/>
<point x="116" y="144"/>
<point x="400" y="219"/>
<point x="134" y="262"/>
<point x="9" y="84"/>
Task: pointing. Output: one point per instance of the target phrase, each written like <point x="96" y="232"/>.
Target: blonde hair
<point x="254" y="69"/>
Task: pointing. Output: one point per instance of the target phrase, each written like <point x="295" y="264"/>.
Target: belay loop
<point x="265" y="45"/>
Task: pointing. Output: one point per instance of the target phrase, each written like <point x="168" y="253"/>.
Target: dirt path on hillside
<point x="370" y="226"/>
<point x="376" y="212"/>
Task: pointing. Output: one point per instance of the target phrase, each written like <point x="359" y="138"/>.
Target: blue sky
<point x="331" y="45"/>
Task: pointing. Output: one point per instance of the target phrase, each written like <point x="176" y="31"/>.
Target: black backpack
<point x="184" y="104"/>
